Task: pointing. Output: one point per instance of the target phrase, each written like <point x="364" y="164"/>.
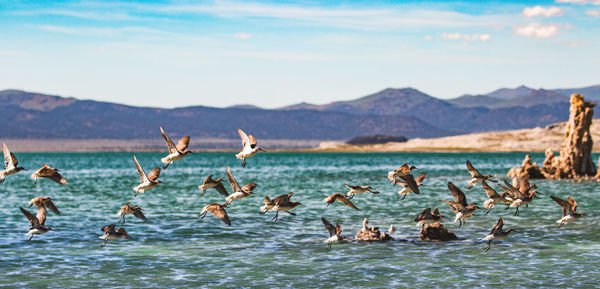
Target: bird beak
<point x="262" y="150"/>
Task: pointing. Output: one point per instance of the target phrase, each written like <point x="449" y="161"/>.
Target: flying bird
<point x="10" y="164"/>
<point x="49" y="173"/>
<point x="476" y="176"/>
<point x="427" y="217"/>
<point x="176" y="152"/>
<point x="340" y="198"/>
<point x="238" y="193"/>
<point x="460" y="207"/>
<point x="147" y="182"/>
<point x="37" y="225"/>
<point x="111" y="234"/>
<point x="127" y="209"/>
<point x="218" y="210"/>
<point x="403" y="170"/>
<point x="496" y="234"/>
<point x="217" y="184"/>
<point x="335" y="233"/>
<point x="516" y="198"/>
<point x="358" y="190"/>
<point x="493" y="198"/>
<point x="569" y="209"/>
<point x="249" y="147"/>
<point x="280" y="204"/>
<point x="410" y="185"/>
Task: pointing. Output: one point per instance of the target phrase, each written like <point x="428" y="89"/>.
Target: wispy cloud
<point x="595" y="13"/>
<point x="242" y="35"/>
<point x="102" y="31"/>
<point x="83" y="14"/>
<point x="574" y="44"/>
<point x="536" y="11"/>
<point x="467" y="37"/>
<point x="537" y="30"/>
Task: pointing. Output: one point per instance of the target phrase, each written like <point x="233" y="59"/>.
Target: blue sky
<point x="274" y="53"/>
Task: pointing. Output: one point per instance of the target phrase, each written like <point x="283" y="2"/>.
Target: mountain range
<point x="406" y="111"/>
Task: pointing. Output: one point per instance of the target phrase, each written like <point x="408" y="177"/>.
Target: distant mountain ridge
<point x="407" y="111"/>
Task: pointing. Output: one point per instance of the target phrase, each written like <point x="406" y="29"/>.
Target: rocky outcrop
<point x="527" y="169"/>
<point x="436" y="232"/>
<point x="575" y="159"/>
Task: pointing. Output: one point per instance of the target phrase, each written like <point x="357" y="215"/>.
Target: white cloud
<point x="580" y="2"/>
<point x="537" y="30"/>
<point x="467" y="37"/>
<point x="242" y="36"/>
<point x="595" y="13"/>
<point x="542" y="11"/>
<point x="428" y="37"/>
<point x="574" y="44"/>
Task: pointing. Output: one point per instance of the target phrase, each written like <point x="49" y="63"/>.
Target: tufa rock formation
<point x="575" y="159"/>
<point x="436" y="232"/>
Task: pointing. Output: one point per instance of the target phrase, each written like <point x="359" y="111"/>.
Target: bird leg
<point x="460" y="223"/>
<point x="517" y="211"/>
<point x="123" y="220"/>
<point x="488" y="245"/>
<point x="202" y="195"/>
<point x="328" y="245"/>
<point x="276" y="216"/>
<point x="291" y="213"/>
<point x="30" y="238"/>
<point x="104" y="243"/>
<point x="560" y="225"/>
<point x="403" y="197"/>
<point x="243" y="163"/>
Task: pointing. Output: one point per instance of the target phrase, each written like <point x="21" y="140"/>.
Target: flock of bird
<point x="519" y="193"/>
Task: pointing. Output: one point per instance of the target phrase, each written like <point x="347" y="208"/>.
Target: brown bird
<point x="127" y="209"/>
<point x="340" y="198"/>
<point x="476" y="176"/>
<point x="569" y="208"/>
<point x="147" y="182"/>
<point x="493" y="198"/>
<point x="410" y="184"/>
<point x="111" y="234"/>
<point x="50" y="173"/>
<point x="358" y="190"/>
<point x="37" y="225"/>
<point x="218" y="210"/>
<point x="515" y="196"/>
<point x="209" y="183"/>
<point x="10" y="164"/>
<point x="496" y="234"/>
<point x="459" y="206"/>
<point x="403" y="170"/>
<point x="238" y="193"/>
<point x="176" y="152"/>
<point x="427" y="217"/>
<point x="335" y="233"/>
<point x="281" y="203"/>
<point x="42" y="203"/>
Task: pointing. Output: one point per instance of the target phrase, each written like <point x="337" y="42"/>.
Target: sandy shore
<point x="523" y="140"/>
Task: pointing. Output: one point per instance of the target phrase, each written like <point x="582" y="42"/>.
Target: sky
<point x="277" y="53"/>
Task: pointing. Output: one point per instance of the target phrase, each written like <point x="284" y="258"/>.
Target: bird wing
<point x="219" y="212"/>
<point x="51" y="173"/>
<point x="139" y="214"/>
<point x="108" y="228"/>
<point x="498" y="226"/>
<point x="423" y="214"/>
<point x="141" y="172"/>
<point x="491" y="193"/>
<point x="573" y="204"/>
<point x="420" y="178"/>
<point x="183" y="143"/>
<point x="474" y="172"/>
<point x="513" y="191"/>
<point x="268" y="201"/>
<point x="338" y="229"/>
<point x="248" y="188"/>
<point x="32" y="219"/>
<point x="403" y="169"/>
<point x="245" y="139"/>
<point x="41" y="214"/>
<point x="329" y="226"/>
<point x="459" y="196"/>
<point x="172" y="148"/>
<point x="453" y="205"/>
<point x="346" y="202"/>
<point x="221" y="189"/>
<point x="524" y="186"/>
<point x="232" y="181"/>
<point x="154" y="173"/>
<point x="436" y="212"/>
<point x="48" y="202"/>
<point x="564" y="204"/>
<point x="252" y="141"/>
<point x="409" y="179"/>
<point x="282" y="199"/>
<point x="8" y="157"/>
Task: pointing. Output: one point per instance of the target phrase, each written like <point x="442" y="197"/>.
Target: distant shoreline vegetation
<point x="376" y="139"/>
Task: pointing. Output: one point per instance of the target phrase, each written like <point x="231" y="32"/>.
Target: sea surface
<point x="178" y="250"/>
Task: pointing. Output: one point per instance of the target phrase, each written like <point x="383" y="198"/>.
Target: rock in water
<point x="372" y="234"/>
<point x="436" y="232"/>
<point x="575" y="159"/>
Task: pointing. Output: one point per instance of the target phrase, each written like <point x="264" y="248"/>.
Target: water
<point x="178" y="250"/>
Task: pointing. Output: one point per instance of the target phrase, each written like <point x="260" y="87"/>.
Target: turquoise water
<point x="178" y="250"/>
